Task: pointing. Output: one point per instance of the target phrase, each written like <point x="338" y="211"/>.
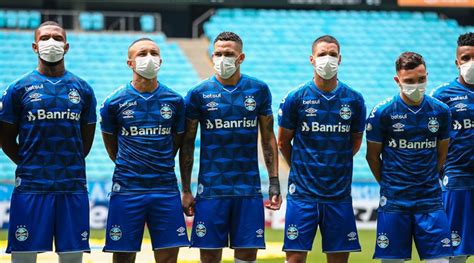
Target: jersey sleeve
<point x="108" y="122"/>
<point x="374" y="129"/>
<point x="89" y="114"/>
<point x="178" y="125"/>
<point x="288" y="112"/>
<point x="10" y="107"/>
<point x="358" y="122"/>
<point x="445" y="124"/>
<point x="265" y="108"/>
<point x="193" y="109"/>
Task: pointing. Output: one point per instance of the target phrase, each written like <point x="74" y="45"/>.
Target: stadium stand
<point x="277" y="44"/>
<point x="99" y="58"/>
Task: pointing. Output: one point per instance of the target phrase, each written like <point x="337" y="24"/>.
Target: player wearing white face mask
<point x="410" y="133"/>
<point x="142" y="125"/>
<point x="458" y="172"/>
<point x="50" y="198"/>
<point x="319" y="193"/>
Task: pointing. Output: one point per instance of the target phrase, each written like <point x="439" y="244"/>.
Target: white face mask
<point x="326" y="67"/>
<point x="467" y="72"/>
<point x="148" y="66"/>
<point x="414" y="92"/>
<point x="51" y="50"/>
<point x="225" y="66"/>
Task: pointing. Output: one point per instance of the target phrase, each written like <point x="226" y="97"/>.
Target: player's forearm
<point x="375" y="164"/>
<point x="442" y="153"/>
<point x="87" y="133"/>
<point x="285" y="149"/>
<point x="111" y="145"/>
<point x="177" y="142"/>
<point x="270" y="155"/>
<point x="356" y="143"/>
<point x="186" y="161"/>
<point x="12" y="149"/>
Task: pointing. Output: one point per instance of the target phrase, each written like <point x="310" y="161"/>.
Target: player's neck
<point x="144" y="85"/>
<point x="232" y="81"/>
<point x="464" y="83"/>
<point x="410" y="102"/>
<point x="50" y="69"/>
<point x="325" y="85"/>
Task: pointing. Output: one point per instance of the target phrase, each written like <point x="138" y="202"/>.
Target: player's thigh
<point x="432" y="235"/>
<point x="247" y="223"/>
<point x="246" y="254"/>
<point x="72" y="222"/>
<point x="338" y="228"/>
<point x="337" y="257"/>
<point x="301" y="224"/>
<point x="296" y="256"/>
<point x="210" y="255"/>
<point x="124" y="257"/>
<point x="211" y="224"/>
<point x="459" y="206"/>
<point x="125" y="223"/>
<point x="166" y="255"/>
<point x="165" y="221"/>
<point x="394" y="235"/>
<point x="31" y="225"/>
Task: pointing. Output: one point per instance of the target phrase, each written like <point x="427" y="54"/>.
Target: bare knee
<point x="296" y="256"/>
<point x="124" y="257"/>
<point x="246" y="254"/>
<point x="211" y="255"/>
<point x="338" y="257"/>
<point x="168" y="255"/>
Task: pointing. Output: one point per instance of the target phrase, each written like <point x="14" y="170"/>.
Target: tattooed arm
<point x="270" y="155"/>
<point x="186" y="160"/>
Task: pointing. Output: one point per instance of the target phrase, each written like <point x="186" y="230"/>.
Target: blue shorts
<point x="395" y="232"/>
<point x="336" y="220"/>
<point x="215" y="220"/>
<point x="459" y="206"/>
<point x="35" y="218"/>
<point x="128" y="214"/>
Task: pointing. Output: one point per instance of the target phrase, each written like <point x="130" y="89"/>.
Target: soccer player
<point x="458" y="177"/>
<point x="53" y="114"/>
<point x="230" y="107"/>
<point x="407" y="143"/>
<point x="142" y="124"/>
<point x="325" y="119"/>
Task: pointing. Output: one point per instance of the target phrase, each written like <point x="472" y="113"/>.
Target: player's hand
<point x="275" y="203"/>
<point x="274" y="194"/>
<point x="187" y="202"/>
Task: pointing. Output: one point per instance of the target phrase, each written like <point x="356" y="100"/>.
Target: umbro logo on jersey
<point x="405" y="144"/>
<point x="35" y="97"/>
<point x="181" y="231"/>
<point x="211" y="106"/>
<point x="259" y="233"/>
<point x="446" y="242"/>
<point x="398" y="127"/>
<point x="84" y="235"/>
<point x="128" y="114"/>
<point x="352" y="236"/>
<point x="460" y="107"/>
<point x="311" y="112"/>
<point x="317" y="127"/>
<point x="466" y="124"/>
<point x="53" y="115"/>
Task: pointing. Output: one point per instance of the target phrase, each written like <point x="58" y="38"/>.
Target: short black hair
<point x="229" y="36"/>
<point x="466" y="39"/>
<point x="50" y="23"/>
<point x="408" y="61"/>
<point x="327" y="39"/>
<point x="139" y="40"/>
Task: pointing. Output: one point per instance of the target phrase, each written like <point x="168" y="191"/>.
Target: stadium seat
<point x="85" y="20"/>
<point x="12" y="19"/>
<point x="35" y="19"/>
<point x="3" y="19"/>
<point x="97" y="21"/>
<point x="147" y="23"/>
<point x="23" y="19"/>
